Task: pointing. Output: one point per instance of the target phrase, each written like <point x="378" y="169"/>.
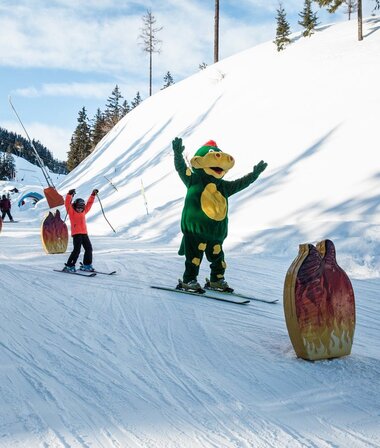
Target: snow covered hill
<point x="309" y="111"/>
<point x="29" y="178"/>
<point x="108" y="362"/>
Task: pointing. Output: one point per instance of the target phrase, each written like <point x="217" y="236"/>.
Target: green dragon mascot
<point x="204" y="221"/>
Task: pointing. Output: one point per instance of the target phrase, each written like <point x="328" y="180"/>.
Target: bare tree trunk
<point x="360" y="20"/>
<point x="150" y="73"/>
<point x="216" y="32"/>
<point x="150" y="58"/>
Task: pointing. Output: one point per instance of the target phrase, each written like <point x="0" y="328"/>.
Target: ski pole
<point x="101" y="206"/>
<point x="111" y="183"/>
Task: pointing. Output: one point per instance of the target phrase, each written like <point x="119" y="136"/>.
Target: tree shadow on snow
<point x="268" y="185"/>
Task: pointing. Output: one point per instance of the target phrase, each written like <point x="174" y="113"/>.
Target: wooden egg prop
<point x="54" y="234"/>
<point x="319" y="304"/>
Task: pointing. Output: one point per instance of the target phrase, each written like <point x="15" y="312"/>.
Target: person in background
<point x="77" y="211"/>
<point x="5" y="206"/>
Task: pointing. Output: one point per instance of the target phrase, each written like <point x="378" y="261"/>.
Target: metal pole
<point x="216" y="32"/>
<point x="43" y="169"/>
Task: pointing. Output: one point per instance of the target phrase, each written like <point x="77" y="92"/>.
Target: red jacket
<point x="78" y="219"/>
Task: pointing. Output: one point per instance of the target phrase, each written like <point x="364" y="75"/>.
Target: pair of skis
<point x="85" y="273"/>
<point x="224" y="296"/>
<point x="216" y="294"/>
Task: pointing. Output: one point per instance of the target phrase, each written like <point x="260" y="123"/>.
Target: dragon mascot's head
<point x="210" y="160"/>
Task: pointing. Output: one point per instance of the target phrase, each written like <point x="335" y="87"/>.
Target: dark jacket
<point x="5" y="205"/>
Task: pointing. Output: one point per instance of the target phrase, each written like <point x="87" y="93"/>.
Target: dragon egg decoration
<point x="54" y="234"/>
<point x="319" y="304"/>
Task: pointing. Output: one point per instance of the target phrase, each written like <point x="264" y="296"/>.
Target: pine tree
<point x="309" y="19"/>
<point x="10" y="166"/>
<point x="98" y="129"/>
<point x="2" y="167"/>
<point x="202" y="66"/>
<point x="80" y="145"/>
<point x="333" y="5"/>
<point x="168" y="80"/>
<point x="113" y="111"/>
<point x="125" y="108"/>
<point x="7" y="166"/>
<point x="136" y="100"/>
<point x="283" y="29"/>
<point x="149" y="40"/>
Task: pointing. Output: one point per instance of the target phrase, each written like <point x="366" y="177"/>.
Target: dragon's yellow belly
<point x="213" y="203"/>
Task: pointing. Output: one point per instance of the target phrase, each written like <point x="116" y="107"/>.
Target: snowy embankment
<point x="109" y="362"/>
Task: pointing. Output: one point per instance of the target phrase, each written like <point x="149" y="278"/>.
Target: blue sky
<point x="60" y="55"/>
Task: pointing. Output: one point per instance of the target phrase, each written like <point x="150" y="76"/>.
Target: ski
<point x="243" y="296"/>
<point x="90" y="274"/>
<point x="98" y="272"/>
<point x="203" y="294"/>
<point x="231" y="292"/>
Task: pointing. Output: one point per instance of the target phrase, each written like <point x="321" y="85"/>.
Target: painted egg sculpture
<point x="54" y="234"/>
<point x="319" y="304"/>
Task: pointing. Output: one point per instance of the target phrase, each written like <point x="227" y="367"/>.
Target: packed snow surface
<point x="109" y="362"/>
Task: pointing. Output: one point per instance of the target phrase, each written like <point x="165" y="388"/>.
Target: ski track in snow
<point x="110" y="362"/>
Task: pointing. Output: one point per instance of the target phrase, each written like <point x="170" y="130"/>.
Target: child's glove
<point x="72" y="192"/>
<point x="178" y="148"/>
<point x="258" y="169"/>
<point x="95" y="192"/>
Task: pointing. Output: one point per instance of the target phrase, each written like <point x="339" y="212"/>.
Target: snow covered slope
<point x="31" y="175"/>
<point x="108" y="362"/>
<point x="28" y="178"/>
<point x="309" y="111"/>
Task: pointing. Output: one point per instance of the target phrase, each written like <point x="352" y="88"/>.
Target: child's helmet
<point x="79" y="204"/>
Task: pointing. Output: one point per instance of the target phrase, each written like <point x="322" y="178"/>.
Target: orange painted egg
<point x="54" y="234"/>
<point x="319" y="304"/>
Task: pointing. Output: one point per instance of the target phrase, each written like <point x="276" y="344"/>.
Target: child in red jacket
<point x="77" y="211"/>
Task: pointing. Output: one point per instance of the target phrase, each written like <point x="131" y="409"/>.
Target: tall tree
<point x="333" y="5"/>
<point x="352" y="6"/>
<point x="216" y="32"/>
<point x="136" y="100"/>
<point x="98" y="128"/>
<point x="7" y="166"/>
<point x="125" y="108"/>
<point x="283" y="29"/>
<point x="168" y="80"/>
<point x="149" y="40"/>
<point x="113" y="111"/>
<point x="308" y="19"/>
<point x="80" y="145"/>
